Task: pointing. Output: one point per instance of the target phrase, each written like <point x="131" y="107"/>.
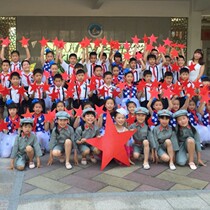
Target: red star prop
<point x="149" y="47"/>
<point x="155" y="84"/>
<point x="46" y="74"/>
<point x="162" y="49"/>
<point x="115" y="93"/>
<point x="56" y="42"/>
<point x="82" y="43"/>
<point x="127" y="56"/>
<point x="164" y="85"/>
<point x="86" y="42"/>
<point x="43" y="42"/>
<point x="101" y="91"/>
<point x="71" y="85"/>
<point x="126" y="45"/>
<point x="135" y="39"/>
<point x="131" y="120"/>
<point x="78" y="112"/>
<point x="34" y="87"/>
<point x="27" y="114"/>
<point x="112" y="144"/>
<point x="53" y="95"/>
<point x="97" y="42"/>
<point x="92" y="85"/>
<point x="192" y="67"/>
<point x="167" y="93"/>
<point x="61" y="44"/>
<point x="154" y="93"/>
<point x="177" y="89"/>
<point x="16" y="124"/>
<point x="153" y="38"/>
<point x="114" y="44"/>
<point x="197" y="84"/>
<point x="99" y="110"/>
<point x="190" y="92"/>
<point x="24" y="41"/>
<point x="21" y="90"/>
<point x="45" y="87"/>
<point x="145" y="38"/>
<point x="174" y="53"/>
<point x="5" y="91"/>
<point x="69" y="93"/>
<point x="104" y="41"/>
<point x="121" y="85"/>
<point x="141" y="85"/>
<point x="175" y="67"/>
<point x="1" y="87"/>
<point x="3" y="125"/>
<point x="65" y="76"/>
<point x="69" y="111"/>
<point x="139" y="55"/>
<point x="49" y="117"/>
<point x="174" y="45"/>
<point x="205" y="98"/>
<point x="167" y="42"/>
<point x="5" y="41"/>
<point x="204" y="90"/>
<point x="181" y="46"/>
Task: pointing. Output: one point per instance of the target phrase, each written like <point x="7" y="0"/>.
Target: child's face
<point x="154" y="52"/>
<point x="158" y="106"/>
<point x="58" y="82"/>
<point x="131" y="108"/>
<point x="93" y="58"/>
<point x="140" y="118"/>
<point x="5" y="67"/>
<point x="54" y="69"/>
<point x="104" y="59"/>
<point x="109" y="105"/>
<point x="181" y="62"/>
<point x="164" y="121"/>
<point x="192" y="105"/>
<point x="37" y="108"/>
<point x="80" y="77"/>
<point x="152" y="61"/>
<point x="60" y="107"/>
<point x="26" y="128"/>
<point x="115" y="71"/>
<point x="120" y="119"/>
<point x="108" y="79"/>
<point x="49" y="57"/>
<point x="62" y="122"/>
<point x="15" y="80"/>
<point x="176" y="105"/>
<point x="26" y="66"/>
<point x="15" y="57"/>
<point x="168" y="80"/>
<point x="129" y="78"/>
<point x="89" y="118"/>
<point x="38" y="77"/>
<point x="183" y="121"/>
<point x="206" y="83"/>
<point x="197" y="56"/>
<point x="73" y="60"/>
<point x="117" y="59"/>
<point x="148" y="78"/>
<point x="184" y="76"/>
<point x="12" y="112"/>
<point x="168" y="61"/>
<point x="98" y="72"/>
<point x="133" y="64"/>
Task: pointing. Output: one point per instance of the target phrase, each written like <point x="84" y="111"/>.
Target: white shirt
<point x="81" y="91"/>
<point x="69" y="69"/>
<point x="5" y="79"/>
<point x="146" y="92"/>
<point x="24" y="79"/>
<point x="156" y="71"/>
<point x="38" y="93"/>
<point x="15" y="96"/>
<point x="194" y="74"/>
<point x="90" y="67"/>
<point x="108" y="90"/>
<point x="15" y="66"/>
<point x="136" y="74"/>
<point x="61" y="90"/>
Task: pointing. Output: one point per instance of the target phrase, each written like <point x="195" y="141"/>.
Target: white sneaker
<point x="146" y="166"/>
<point x="68" y="166"/>
<point x="84" y="161"/>
<point x="172" y="166"/>
<point x="192" y="166"/>
<point x="31" y="165"/>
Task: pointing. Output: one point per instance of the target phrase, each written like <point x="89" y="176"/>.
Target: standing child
<point x="26" y="147"/>
<point x="167" y="66"/>
<point x="61" y="141"/>
<point x="53" y="72"/>
<point x="188" y="139"/>
<point x="165" y="138"/>
<point x="87" y="131"/>
<point x="143" y="138"/>
<point x="117" y="78"/>
<point x="27" y="75"/>
<point x="131" y="106"/>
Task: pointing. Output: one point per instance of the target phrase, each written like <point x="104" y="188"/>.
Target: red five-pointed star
<point x="153" y="38"/>
<point x="34" y="87"/>
<point x="99" y="110"/>
<point x="92" y="85"/>
<point x="162" y="49"/>
<point x="174" y="53"/>
<point x="205" y="97"/>
<point x="145" y="38"/>
<point x="149" y="47"/>
<point x="5" y="91"/>
<point x="65" y="76"/>
<point x="24" y="41"/>
<point x="121" y="85"/>
<point x="127" y="56"/>
<point x="56" y="42"/>
<point x="69" y="111"/>
<point x="3" y="125"/>
<point x="49" y="117"/>
<point x="167" y="93"/>
<point x="54" y="95"/>
<point x="101" y="91"/>
<point x="115" y="93"/>
<point x="43" y="42"/>
<point x="190" y="92"/>
<point x="126" y="45"/>
<point x="78" y="111"/>
<point x="45" y="87"/>
<point x="155" y="84"/>
<point x="175" y="67"/>
<point x="104" y="41"/>
<point x="27" y="114"/>
<point x="154" y="93"/>
<point x="97" y="42"/>
<point x="197" y="84"/>
<point x="192" y="67"/>
<point x="69" y="93"/>
<point x="135" y="39"/>
<point x="112" y="144"/>
<point x="61" y="44"/>
<point x="5" y="42"/>
<point x="141" y="85"/>
<point x="21" y="90"/>
<point x="138" y="55"/>
<point x="167" y="42"/>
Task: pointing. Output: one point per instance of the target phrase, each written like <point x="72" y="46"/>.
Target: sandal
<point x="68" y="166"/>
<point x="31" y="165"/>
<point x="192" y="166"/>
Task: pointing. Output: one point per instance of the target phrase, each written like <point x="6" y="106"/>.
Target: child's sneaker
<point x="172" y="166"/>
<point x="92" y="159"/>
<point x="146" y="166"/>
<point x="84" y="161"/>
<point x="31" y="165"/>
<point x="68" y="166"/>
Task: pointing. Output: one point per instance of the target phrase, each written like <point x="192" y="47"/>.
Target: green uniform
<point x="18" y="151"/>
<point x="160" y="135"/>
<point x="143" y="133"/>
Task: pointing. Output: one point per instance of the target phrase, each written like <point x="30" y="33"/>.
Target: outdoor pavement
<point x="117" y="187"/>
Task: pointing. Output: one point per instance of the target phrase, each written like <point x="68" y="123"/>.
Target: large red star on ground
<point x="112" y="144"/>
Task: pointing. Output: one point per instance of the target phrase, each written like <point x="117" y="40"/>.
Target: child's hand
<point x="25" y="46"/>
<point x="200" y="162"/>
<point x="4" y="46"/>
<point x="50" y="161"/>
<point x="83" y="140"/>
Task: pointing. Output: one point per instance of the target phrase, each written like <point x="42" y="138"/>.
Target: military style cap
<point x="141" y="110"/>
<point x="122" y="111"/>
<point x="26" y="120"/>
<point x="62" y="115"/>
<point x="180" y="113"/>
<point x="88" y="110"/>
<point x="164" y="112"/>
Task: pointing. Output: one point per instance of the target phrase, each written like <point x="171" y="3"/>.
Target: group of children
<point x="158" y="96"/>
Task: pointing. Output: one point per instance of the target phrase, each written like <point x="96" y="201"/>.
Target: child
<point x="8" y="138"/>
<point x="46" y="64"/>
<point x="62" y="139"/>
<point x="188" y="139"/>
<point x="27" y="76"/>
<point x="204" y="110"/>
<point x="81" y="89"/>
<point x="117" y="61"/>
<point x="26" y="147"/>
<point x="53" y="72"/>
<point x="116" y="77"/>
<point x="136" y="71"/>
<point x="167" y="66"/>
<point x="36" y="90"/>
<point x="40" y="127"/>
<point x="104" y="61"/>
<point x="130" y="90"/>
<point x="131" y="106"/>
<point x="87" y="131"/>
<point x="181" y="64"/>
<point x="165" y="138"/>
<point x="143" y="138"/>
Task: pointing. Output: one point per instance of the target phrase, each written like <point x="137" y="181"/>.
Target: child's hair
<point x="181" y="56"/>
<point x="130" y="102"/>
<point x="200" y="61"/>
<point x="126" y="72"/>
<point x="179" y="129"/>
<point x="132" y="59"/>
<point x="107" y="73"/>
<point x="167" y="117"/>
<point x="54" y="64"/>
<point x="90" y="112"/>
<point x="25" y="61"/>
<point x="87" y="103"/>
<point x="113" y="66"/>
<point x="12" y="106"/>
<point x="14" y="74"/>
<point x="80" y="71"/>
<point x="37" y="71"/>
<point x="104" y="54"/>
<point x="109" y="98"/>
<point x="205" y="79"/>
<point x="93" y="54"/>
<point x="78" y="66"/>
<point x="27" y="124"/>
<point x="72" y="55"/>
<point x="36" y="101"/>
<point x="118" y="55"/>
<point x="97" y="66"/>
<point x="184" y="70"/>
<point x="154" y="50"/>
<point x="168" y="74"/>
<point x="15" y="52"/>
<point x="154" y="101"/>
<point x="49" y="51"/>
<point x="147" y="72"/>
<point x="151" y="56"/>
<point x="5" y="61"/>
<point x="58" y="76"/>
<point x="167" y="56"/>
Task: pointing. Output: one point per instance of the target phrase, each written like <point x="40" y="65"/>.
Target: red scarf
<point x="14" y="122"/>
<point x="194" y="113"/>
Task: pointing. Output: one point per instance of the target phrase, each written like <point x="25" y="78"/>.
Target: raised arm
<point x="2" y="52"/>
<point x="28" y="55"/>
<point x="42" y="56"/>
<point x="149" y="106"/>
